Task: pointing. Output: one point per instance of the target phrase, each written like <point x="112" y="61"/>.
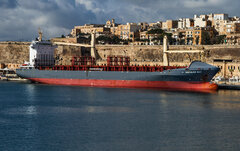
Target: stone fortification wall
<point x="65" y="53"/>
<point x="18" y="52"/>
<point x="14" y="52"/>
<point x="143" y="53"/>
<point x="154" y="53"/>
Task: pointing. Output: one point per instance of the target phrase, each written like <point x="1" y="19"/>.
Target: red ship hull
<point x="166" y="85"/>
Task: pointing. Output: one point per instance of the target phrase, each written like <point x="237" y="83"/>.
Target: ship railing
<point x="110" y="68"/>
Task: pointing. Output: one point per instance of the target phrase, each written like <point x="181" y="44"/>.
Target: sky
<point x="20" y="19"/>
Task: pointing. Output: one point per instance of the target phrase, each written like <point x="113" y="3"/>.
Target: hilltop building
<point x="202" y="21"/>
<point x="89" y="28"/>
<point x="230" y="28"/>
<point x="184" y="29"/>
<point x="199" y="35"/>
<point x="129" y="31"/>
<point x="219" y="20"/>
<point x="144" y="26"/>
<point x="169" y="24"/>
<point x="184" y="23"/>
<point x="157" y="25"/>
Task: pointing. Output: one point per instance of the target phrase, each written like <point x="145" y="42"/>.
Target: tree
<point x="142" y="40"/>
<point x="109" y="40"/>
<point x="189" y="40"/>
<point x="115" y="40"/>
<point x="155" y="31"/>
<point x="206" y="39"/>
<point x="197" y="40"/>
<point x="83" y="38"/>
<point x="170" y="39"/>
<point x="218" y="39"/>
<point x="103" y="39"/>
<point x="182" y="42"/>
<point x="180" y="35"/>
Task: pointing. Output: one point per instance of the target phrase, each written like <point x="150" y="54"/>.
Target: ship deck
<point x="110" y="68"/>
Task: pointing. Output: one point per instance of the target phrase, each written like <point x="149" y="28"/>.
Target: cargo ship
<point x="117" y="73"/>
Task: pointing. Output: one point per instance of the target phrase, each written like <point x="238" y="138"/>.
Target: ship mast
<point x="40" y="34"/>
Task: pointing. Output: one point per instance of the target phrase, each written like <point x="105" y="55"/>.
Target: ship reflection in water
<point x="44" y="117"/>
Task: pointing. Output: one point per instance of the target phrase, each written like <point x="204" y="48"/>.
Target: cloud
<point x="8" y="3"/>
<point x="20" y="19"/>
<point x="90" y="5"/>
<point x="54" y="17"/>
<point x="203" y="3"/>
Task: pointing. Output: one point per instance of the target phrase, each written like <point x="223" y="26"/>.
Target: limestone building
<point x="2" y="65"/>
<point x="230" y="28"/>
<point x="184" y="23"/>
<point x="199" y="35"/>
<point x="202" y="21"/>
<point x="233" y="39"/>
<point x="219" y="20"/>
<point x="128" y="31"/>
<point x="88" y="28"/>
<point x="157" y="25"/>
<point x="169" y="24"/>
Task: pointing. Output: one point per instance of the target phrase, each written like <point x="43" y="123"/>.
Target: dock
<point x="229" y="86"/>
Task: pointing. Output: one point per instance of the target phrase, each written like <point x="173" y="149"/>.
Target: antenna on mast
<point x="40" y="34"/>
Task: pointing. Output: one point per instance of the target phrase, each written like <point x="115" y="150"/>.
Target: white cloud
<point x="203" y="3"/>
<point x="194" y="3"/>
<point x="89" y="4"/>
<point x="39" y="21"/>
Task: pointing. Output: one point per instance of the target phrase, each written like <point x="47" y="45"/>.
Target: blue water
<point x="35" y="117"/>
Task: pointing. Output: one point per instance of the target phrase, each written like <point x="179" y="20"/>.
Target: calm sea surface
<point x="35" y="117"/>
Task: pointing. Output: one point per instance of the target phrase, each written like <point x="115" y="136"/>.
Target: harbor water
<point x="37" y="117"/>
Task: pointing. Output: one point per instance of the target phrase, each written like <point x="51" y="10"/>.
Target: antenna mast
<point x="40" y="34"/>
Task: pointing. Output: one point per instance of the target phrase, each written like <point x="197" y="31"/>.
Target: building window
<point x="231" y="68"/>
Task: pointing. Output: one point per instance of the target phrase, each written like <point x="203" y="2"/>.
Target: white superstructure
<point x="41" y="53"/>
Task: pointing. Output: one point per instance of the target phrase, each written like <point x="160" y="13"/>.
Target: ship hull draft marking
<point x="196" y="77"/>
